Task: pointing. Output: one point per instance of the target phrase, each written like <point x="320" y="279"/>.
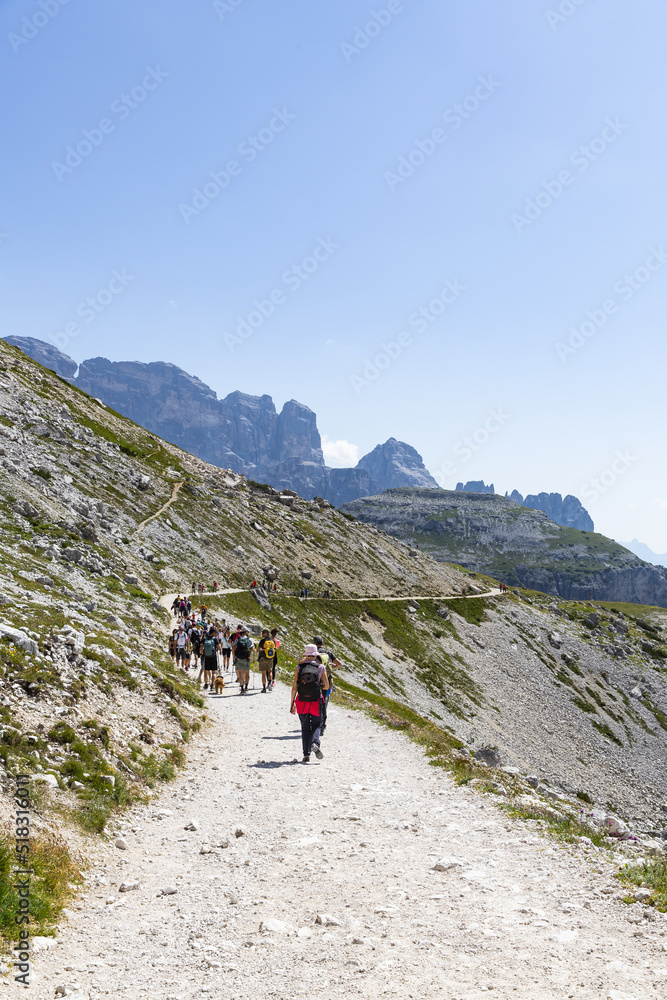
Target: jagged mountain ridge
<point x="568" y="512"/>
<point x="516" y="544"/>
<point x="240" y="432"/>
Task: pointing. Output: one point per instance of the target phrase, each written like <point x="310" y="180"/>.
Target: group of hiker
<point x="212" y="645"/>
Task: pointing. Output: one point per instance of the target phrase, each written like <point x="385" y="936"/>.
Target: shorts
<point x="210" y="663"/>
<point x="181" y="653"/>
<point x="242" y="664"/>
<point x="265" y="665"/>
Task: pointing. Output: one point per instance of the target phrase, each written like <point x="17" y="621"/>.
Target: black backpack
<point x="243" y="648"/>
<point x="308" y="681"/>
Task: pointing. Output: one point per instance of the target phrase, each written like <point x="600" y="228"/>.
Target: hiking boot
<point x="263" y="690"/>
<point x="318" y="753"/>
<point x="306" y="759"/>
<point x="205" y="687"/>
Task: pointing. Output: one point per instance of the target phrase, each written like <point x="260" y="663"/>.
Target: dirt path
<point x="353" y="839"/>
<point x="168" y="599"/>
<point x="165" y="506"/>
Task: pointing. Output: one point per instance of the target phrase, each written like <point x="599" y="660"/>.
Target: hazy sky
<point x="430" y="220"/>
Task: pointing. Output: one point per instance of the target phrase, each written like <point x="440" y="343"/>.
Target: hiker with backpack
<point x="276" y="643"/>
<point x="266" y="650"/>
<point x="225" y="646"/>
<point x="209" y="648"/>
<point x="182" y="648"/>
<point x="330" y="662"/>
<point x="243" y="651"/>
<point x="310" y="680"/>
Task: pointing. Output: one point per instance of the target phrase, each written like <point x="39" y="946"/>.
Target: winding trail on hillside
<point x="168" y="599"/>
<point x="317" y="881"/>
<point x="166" y="506"/>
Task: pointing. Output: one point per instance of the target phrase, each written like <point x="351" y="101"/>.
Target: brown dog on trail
<point x="219" y="685"/>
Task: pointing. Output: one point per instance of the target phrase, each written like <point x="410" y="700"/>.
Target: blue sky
<point x="365" y="156"/>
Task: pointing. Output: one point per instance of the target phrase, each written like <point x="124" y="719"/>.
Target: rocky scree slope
<point x="515" y="544"/>
<point x="572" y="693"/>
<point x="240" y="432"/>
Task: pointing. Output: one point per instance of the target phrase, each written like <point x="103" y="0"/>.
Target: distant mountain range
<point x="240" y="432"/>
<point x="246" y="433"/>
<point x="643" y="551"/>
<point x="568" y="511"/>
<point x="491" y="534"/>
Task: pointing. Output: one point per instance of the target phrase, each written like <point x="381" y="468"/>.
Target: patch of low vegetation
<point x="651" y="875"/>
<point x="565" y="828"/>
<point x="56" y="875"/>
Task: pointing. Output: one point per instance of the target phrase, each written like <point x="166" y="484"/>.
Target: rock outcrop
<point x="240" y="432"/>
<point x="46" y="354"/>
<point x="568" y="511"/>
<point x="475" y="486"/>
<point x="395" y="463"/>
<point x="515" y="544"/>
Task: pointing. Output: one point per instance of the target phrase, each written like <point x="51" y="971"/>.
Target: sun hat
<point x="310" y="650"/>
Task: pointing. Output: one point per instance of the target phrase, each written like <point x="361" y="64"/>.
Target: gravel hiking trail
<point x="257" y="876"/>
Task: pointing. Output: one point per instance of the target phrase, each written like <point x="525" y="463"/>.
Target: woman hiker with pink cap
<point x="310" y="679"/>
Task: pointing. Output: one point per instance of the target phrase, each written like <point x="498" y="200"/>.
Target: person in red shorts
<point x="310" y="680"/>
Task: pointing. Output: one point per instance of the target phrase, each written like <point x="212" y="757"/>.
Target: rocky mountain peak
<point x="395" y="464"/>
<point x="568" y="512"/>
